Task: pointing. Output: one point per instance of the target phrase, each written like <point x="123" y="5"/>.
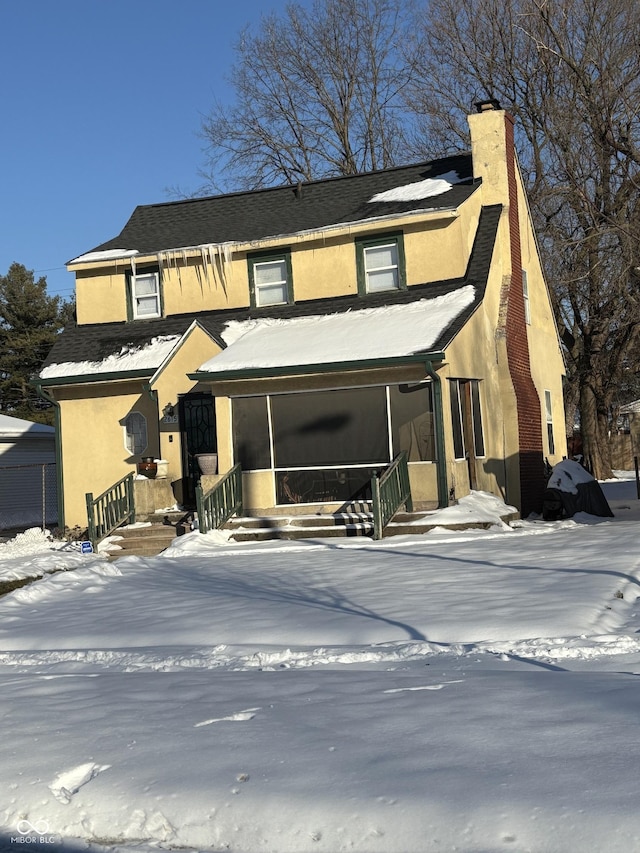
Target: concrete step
<point x="260" y="528"/>
<point x="246" y="529"/>
<point x="143" y="541"/>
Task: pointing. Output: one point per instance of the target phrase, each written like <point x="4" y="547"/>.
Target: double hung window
<point x="145" y="297"/>
<point x="270" y="280"/>
<point x="380" y="264"/>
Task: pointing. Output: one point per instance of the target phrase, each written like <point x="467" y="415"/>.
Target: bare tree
<point x="318" y="92"/>
<point x="570" y="72"/>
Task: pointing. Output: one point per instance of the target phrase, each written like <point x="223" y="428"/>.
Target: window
<point x="270" y="280"/>
<point x="466" y="418"/>
<point x="135" y="432"/>
<point x="525" y="296"/>
<point x="456" y="419"/>
<point x="144" y="295"/>
<point x="549" y="413"/>
<point x="380" y="264"/>
<point x="476" y="416"/>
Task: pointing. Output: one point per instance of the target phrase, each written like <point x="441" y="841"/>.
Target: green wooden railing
<point x="390" y="491"/>
<point x="220" y="502"/>
<point x="110" y="509"/>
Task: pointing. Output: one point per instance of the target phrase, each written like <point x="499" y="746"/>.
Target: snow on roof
<point x="150" y="356"/>
<point x="105" y="255"/>
<point x="13" y="427"/>
<point x="370" y="333"/>
<point x="419" y="189"/>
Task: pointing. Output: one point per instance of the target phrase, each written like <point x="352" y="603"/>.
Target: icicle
<point x="205" y="267"/>
<point x="212" y="260"/>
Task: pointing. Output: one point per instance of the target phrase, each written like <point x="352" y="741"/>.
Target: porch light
<point x="169" y="410"/>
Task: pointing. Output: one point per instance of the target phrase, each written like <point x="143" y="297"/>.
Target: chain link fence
<point x="28" y="496"/>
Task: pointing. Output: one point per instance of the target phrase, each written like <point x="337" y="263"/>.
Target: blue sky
<point x="102" y="101"/>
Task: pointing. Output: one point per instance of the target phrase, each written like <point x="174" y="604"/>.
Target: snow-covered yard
<point x="472" y="691"/>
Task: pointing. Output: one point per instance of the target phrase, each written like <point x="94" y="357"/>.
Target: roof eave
<point x="308" y="369"/>
<point x="93" y="378"/>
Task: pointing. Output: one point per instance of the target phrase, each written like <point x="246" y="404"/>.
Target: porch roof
<point x="372" y="335"/>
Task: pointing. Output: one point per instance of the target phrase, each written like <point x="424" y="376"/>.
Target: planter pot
<point x="148" y="467"/>
<point x="208" y="462"/>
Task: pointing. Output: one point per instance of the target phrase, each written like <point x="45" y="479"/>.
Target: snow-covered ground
<point x="467" y="691"/>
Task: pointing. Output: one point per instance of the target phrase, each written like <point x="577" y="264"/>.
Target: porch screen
<point x="251" y="433"/>
<point x="412" y="421"/>
<point x="346" y="427"/>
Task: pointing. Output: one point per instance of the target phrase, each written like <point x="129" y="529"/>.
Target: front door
<point x="198" y="430"/>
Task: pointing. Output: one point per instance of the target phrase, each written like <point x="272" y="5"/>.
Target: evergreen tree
<point x="29" y="323"/>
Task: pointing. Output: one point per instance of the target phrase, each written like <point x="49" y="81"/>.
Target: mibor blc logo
<point x="33" y="833"/>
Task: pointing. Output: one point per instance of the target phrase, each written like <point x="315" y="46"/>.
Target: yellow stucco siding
<point x="93" y="440"/>
<point x="476" y="354"/>
<point x="92" y="424"/>
<point x="323" y="266"/>
<point x="173" y="381"/>
<point x="101" y="295"/>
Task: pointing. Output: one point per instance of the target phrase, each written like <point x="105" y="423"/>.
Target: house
<point x="312" y="332"/>
<point x="28" y="484"/>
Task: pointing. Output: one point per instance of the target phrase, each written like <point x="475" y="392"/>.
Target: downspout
<point x="152" y="393"/>
<point x="441" y="462"/>
<point x="45" y="395"/>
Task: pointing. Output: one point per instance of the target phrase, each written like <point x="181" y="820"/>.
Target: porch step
<point x="143" y="541"/>
<point x="246" y="529"/>
<point x="260" y="528"/>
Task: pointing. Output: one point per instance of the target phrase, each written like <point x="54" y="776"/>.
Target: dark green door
<point x="198" y="428"/>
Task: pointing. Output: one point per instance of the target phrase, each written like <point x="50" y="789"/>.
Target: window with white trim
<point x="380" y="264"/>
<point x="135" y="433"/>
<point x="145" y="295"/>
<point x="270" y="280"/>
<point x="549" y="415"/>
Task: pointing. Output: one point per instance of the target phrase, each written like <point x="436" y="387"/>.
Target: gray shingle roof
<point x="248" y="216"/>
<point x="94" y="342"/>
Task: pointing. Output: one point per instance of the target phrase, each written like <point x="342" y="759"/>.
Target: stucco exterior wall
<point x="323" y="265"/>
<point x="93" y="440"/>
<point x="92" y="425"/>
<point x="173" y="381"/>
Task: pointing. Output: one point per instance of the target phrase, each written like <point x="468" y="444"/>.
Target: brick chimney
<point x="494" y="161"/>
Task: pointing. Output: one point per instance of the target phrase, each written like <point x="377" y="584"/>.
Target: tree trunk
<point x="595" y="434"/>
